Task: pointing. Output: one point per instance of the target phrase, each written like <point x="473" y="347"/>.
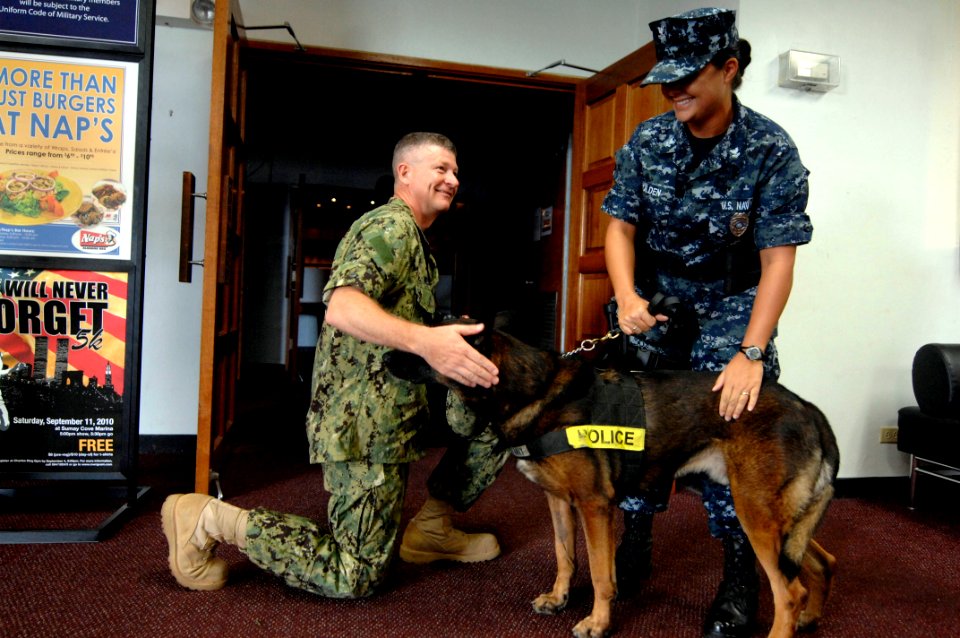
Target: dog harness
<point x="617" y="422"/>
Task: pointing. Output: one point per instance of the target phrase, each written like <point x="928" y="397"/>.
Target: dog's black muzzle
<point x="413" y="368"/>
<point x="408" y="366"/>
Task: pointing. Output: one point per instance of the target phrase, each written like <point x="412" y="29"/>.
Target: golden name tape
<point x="607" y="437"/>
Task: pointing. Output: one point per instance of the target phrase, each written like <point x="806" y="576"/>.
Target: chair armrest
<point x="936" y="379"/>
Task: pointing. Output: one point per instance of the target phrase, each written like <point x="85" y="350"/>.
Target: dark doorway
<point x="333" y="125"/>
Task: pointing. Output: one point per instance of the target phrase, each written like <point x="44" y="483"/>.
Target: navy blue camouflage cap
<point x="685" y="43"/>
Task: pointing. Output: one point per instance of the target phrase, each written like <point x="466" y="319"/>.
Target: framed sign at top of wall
<point x="116" y="25"/>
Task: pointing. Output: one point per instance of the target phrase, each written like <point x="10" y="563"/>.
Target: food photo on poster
<point x="62" y="342"/>
<point x="66" y="156"/>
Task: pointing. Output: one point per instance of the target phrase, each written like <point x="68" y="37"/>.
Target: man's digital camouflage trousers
<point x="350" y="559"/>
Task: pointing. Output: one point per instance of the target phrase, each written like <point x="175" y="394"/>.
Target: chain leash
<point x="589" y="344"/>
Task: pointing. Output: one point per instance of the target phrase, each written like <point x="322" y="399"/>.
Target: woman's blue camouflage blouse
<point x="754" y="173"/>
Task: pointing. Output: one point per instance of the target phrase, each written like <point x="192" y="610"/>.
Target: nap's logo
<point x="101" y="240"/>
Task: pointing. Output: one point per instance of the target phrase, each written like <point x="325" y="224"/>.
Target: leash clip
<point x="589" y="344"/>
<point x="520" y="451"/>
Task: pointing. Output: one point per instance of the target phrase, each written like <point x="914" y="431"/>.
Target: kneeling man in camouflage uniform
<point x="364" y="425"/>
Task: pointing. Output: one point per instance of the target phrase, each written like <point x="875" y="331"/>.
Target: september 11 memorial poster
<point x="62" y="342"/>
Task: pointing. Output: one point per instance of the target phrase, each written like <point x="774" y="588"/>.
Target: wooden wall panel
<point x="596" y="292"/>
<point x="601" y="138"/>
<point x="595" y="221"/>
<point x="642" y="102"/>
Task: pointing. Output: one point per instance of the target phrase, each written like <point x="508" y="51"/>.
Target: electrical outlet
<point x="888" y="435"/>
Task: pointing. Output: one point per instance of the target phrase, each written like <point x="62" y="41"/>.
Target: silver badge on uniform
<point x="739" y="224"/>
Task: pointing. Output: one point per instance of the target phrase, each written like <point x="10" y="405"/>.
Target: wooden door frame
<point x="224" y="56"/>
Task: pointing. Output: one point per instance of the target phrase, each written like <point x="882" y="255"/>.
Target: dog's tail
<point x="813" y="490"/>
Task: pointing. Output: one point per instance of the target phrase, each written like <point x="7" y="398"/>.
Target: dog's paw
<point x="549" y="604"/>
<point x="591" y="628"/>
<point x="807" y="622"/>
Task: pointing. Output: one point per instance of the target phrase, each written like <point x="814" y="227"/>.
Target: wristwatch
<point x="752" y="352"/>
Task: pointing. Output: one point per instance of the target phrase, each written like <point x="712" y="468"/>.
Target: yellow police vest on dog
<point x="613" y="399"/>
<point x="606" y="437"/>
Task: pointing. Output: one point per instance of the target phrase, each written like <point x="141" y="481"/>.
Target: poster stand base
<point x="106" y="528"/>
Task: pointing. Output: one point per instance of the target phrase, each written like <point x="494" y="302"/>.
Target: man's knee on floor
<point x="345" y="578"/>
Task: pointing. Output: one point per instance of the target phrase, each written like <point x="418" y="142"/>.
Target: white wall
<point x="170" y="370"/>
<point x="517" y="34"/>
<point x="881" y="277"/>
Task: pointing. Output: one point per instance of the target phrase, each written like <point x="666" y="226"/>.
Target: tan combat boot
<point x="194" y="525"/>
<point x="430" y="536"/>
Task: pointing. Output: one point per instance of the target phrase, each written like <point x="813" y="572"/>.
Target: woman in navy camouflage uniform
<point x="708" y="207"/>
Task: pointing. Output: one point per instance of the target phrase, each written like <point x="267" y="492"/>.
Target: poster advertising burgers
<point x="62" y="341"/>
<point x="67" y="139"/>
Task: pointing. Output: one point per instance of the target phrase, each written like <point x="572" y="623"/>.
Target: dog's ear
<point x="462" y="320"/>
<point x="483" y="341"/>
<point x="478" y="341"/>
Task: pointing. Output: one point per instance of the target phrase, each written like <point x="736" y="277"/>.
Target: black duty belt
<point x="736" y="265"/>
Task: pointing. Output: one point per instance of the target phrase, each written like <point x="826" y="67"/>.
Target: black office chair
<point x="930" y="431"/>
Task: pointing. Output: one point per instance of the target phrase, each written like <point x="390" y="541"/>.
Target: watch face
<point x="753" y="353"/>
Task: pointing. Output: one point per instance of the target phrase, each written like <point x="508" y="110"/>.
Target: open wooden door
<point x="609" y="106"/>
<point x="294" y="282"/>
<point x="223" y="246"/>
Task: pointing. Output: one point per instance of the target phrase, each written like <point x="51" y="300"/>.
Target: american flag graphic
<point x="95" y="358"/>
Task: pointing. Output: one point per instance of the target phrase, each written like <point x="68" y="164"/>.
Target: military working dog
<point x="780" y="461"/>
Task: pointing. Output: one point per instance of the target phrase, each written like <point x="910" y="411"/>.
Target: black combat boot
<point x="734" y="610"/>
<point x="634" y="560"/>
